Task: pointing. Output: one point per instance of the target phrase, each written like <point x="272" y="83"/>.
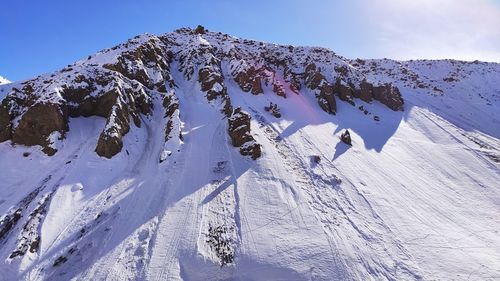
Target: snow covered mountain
<point x="196" y="155"/>
<point x="3" y="80"/>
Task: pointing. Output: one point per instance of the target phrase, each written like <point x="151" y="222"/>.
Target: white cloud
<point x="460" y="29"/>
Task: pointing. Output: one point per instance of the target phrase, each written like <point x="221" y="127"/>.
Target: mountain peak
<point x="195" y="155"/>
<point x="111" y="83"/>
<point x="3" y="80"/>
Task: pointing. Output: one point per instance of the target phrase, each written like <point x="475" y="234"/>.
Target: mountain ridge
<point x="195" y="155"/>
<point x="128" y="66"/>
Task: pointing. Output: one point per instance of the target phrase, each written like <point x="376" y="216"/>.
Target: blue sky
<point x="43" y="36"/>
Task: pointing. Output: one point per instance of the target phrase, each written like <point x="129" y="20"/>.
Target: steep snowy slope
<point x="155" y="174"/>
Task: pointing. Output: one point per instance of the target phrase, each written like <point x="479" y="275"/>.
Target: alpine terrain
<point x="3" y="80"/>
<point x="196" y="155"/>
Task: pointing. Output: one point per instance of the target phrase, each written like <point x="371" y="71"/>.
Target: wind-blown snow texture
<point x="415" y="197"/>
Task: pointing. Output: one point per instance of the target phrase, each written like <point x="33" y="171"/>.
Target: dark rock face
<point x="326" y="99"/>
<point x="314" y="80"/>
<point x="387" y="94"/>
<point x="313" y="77"/>
<point x="295" y="85"/>
<point x="171" y="104"/>
<point x="365" y="91"/>
<point x="346" y="137"/>
<point x="117" y="125"/>
<point x="30" y="235"/>
<point x="251" y="149"/>
<point x="108" y="146"/>
<point x="38" y="123"/>
<point x="83" y="95"/>
<point x="117" y="91"/>
<point x="249" y="81"/>
<point x="199" y="30"/>
<point x="273" y="109"/>
<point x="239" y="131"/>
<point x="212" y="82"/>
<point x="390" y="96"/>
<point x="278" y="89"/>
<point x="316" y="159"/>
<point x="132" y="64"/>
<point x="5" y="125"/>
<point x="345" y="92"/>
<point x="9" y="221"/>
<point x="257" y="86"/>
<point x="239" y="128"/>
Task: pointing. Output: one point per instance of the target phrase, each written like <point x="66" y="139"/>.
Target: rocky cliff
<point x="119" y="84"/>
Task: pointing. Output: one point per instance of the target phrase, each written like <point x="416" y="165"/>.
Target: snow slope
<point x="415" y="198"/>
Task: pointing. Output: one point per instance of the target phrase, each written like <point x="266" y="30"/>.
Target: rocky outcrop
<point x="239" y="131"/>
<point x="273" y="109"/>
<point x="251" y="149"/>
<point x="148" y="64"/>
<point x="249" y="80"/>
<point x="390" y="96"/>
<point x="38" y="113"/>
<point x="171" y="104"/>
<point x="28" y="120"/>
<point x="326" y="99"/>
<point x="365" y="91"/>
<point x="314" y="80"/>
<point x="211" y="80"/>
<point x="5" y="122"/>
<point x="346" y="137"/>
<point x="119" y="84"/>
<point x="257" y="86"/>
<point x="30" y="236"/>
<point x="386" y="94"/>
<point x="117" y="125"/>
<point x="279" y="89"/>
<point x="118" y="90"/>
<point x="9" y="221"/>
<point x="294" y="83"/>
<point x="38" y="124"/>
<point x="200" y="30"/>
<point x="315" y="159"/>
<point x="344" y="92"/>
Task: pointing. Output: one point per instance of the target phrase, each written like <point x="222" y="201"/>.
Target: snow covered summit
<point x="195" y="155"/>
<point x="3" y="80"/>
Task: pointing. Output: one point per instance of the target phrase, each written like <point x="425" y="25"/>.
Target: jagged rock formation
<point x="346" y="137"/>
<point x="239" y="131"/>
<point x="118" y="92"/>
<point x="30" y="237"/>
<point x="120" y="83"/>
<point x="273" y="109"/>
<point x="314" y="80"/>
